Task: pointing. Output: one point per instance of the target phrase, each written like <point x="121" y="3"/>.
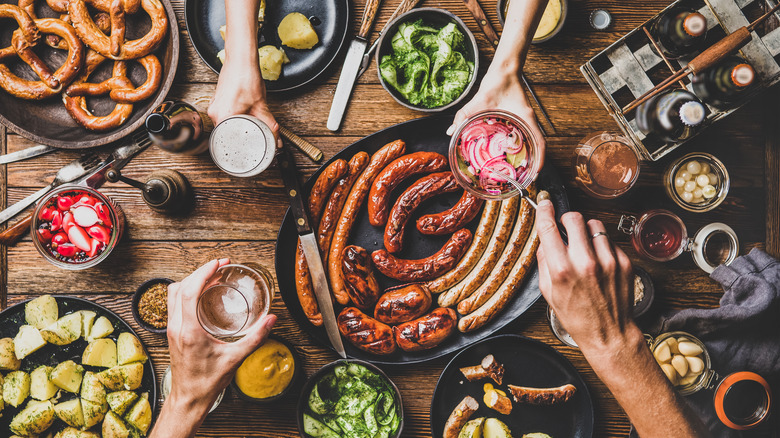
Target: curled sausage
<point x="427" y="331"/>
<point x="366" y="333"/>
<point x="460" y="416"/>
<point x="403" y="303"/>
<point x="488" y="368"/>
<point x="427" y="268"/>
<point x="542" y="396"/>
<point x="359" y="277"/>
<point x="349" y="213"/>
<point x="452" y="219"/>
<point x="425" y="188"/>
<point x="392" y="175"/>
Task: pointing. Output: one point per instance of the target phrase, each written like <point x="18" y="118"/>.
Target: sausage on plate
<point x="426" y="331"/>
<point x="403" y="303"/>
<point x="452" y="219"/>
<point x="542" y="396"/>
<point x="366" y="333"/>
<point x="424" y="269"/>
<point x="460" y="416"/>
<point x="359" y="277"/>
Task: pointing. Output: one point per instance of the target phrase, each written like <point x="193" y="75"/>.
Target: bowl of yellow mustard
<point x="269" y="372"/>
<point x="551" y="23"/>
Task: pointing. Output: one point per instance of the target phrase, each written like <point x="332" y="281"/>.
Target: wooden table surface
<point x="239" y="218"/>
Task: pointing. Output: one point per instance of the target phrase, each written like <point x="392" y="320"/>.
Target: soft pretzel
<point x="130" y="6"/>
<point x="146" y="90"/>
<point x="65" y="74"/>
<point x="97" y="40"/>
<point x="76" y="102"/>
<point x="26" y="26"/>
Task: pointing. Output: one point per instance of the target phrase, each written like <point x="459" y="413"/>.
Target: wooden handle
<point x="369" y="14"/>
<point x="718" y="51"/>
<point x="13" y="234"/>
<point x="304" y="146"/>
<point x="482" y="21"/>
<point x="404" y="7"/>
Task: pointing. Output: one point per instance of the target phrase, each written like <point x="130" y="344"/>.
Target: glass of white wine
<point x="235" y="297"/>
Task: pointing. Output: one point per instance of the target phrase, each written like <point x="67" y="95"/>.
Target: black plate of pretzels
<point x="73" y="75"/>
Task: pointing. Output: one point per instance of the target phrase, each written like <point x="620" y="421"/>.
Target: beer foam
<point x="239" y="145"/>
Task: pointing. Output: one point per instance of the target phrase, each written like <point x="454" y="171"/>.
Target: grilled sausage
<point x="425" y="188"/>
<point x="359" y="277"/>
<point x="452" y="219"/>
<point x="403" y="303"/>
<point x="542" y="396"/>
<point x="427" y="268"/>
<point x="466" y="264"/>
<point x="366" y="333"/>
<point x="355" y="200"/>
<point x="319" y="194"/>
<point x="336" y="201"/>
<point x="427" y="331"/>
<point x="460" y="416"/>
<point x="393" y="175"/>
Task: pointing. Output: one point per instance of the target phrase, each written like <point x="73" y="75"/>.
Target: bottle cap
<point x="692" y="113"/>
<point x="743" y="75"/>
<point x="600" y="19"/>
<point x="695" y="24"/>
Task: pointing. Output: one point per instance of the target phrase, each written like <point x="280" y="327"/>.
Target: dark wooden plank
<point x="3" y="204"/>
<point x="772" y="177"/>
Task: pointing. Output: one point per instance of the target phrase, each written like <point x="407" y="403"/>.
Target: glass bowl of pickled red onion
<point x="492" y="149"/>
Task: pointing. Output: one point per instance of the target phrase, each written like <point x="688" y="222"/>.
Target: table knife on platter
<point x="404" y="7"/>
<point x="310" y="249"/>
<point x="95" y="179"/>
<point x="351" y="67"/>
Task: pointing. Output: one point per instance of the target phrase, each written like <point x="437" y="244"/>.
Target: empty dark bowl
<point x="439" y="18"/>
<point x="287" y="390"/>
<point x="137" y="297"/>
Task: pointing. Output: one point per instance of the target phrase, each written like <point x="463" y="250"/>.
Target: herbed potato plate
<point x="12" y="318"/>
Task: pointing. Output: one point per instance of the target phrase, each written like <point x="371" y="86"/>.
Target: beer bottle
<point x="724" y="84"/>
<point x="179" y="128"/>
<point x="680" y="31"/>
<point x="671" y="116"/>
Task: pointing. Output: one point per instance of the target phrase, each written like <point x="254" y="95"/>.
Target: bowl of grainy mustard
<point x="150" y="305"/>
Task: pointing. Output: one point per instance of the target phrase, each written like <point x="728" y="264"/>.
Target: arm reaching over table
<point x="502" y="88"/>
<point x="240" y="89"/>
<point x="201" y="365"/>
<point x="588" y="285"/>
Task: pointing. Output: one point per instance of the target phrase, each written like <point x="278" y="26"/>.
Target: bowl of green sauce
<point x="427" y="59"/>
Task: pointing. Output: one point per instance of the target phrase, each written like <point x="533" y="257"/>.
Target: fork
<point x="70" y="172"/>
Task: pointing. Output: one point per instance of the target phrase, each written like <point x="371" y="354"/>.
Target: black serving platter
<point x="424" y="134"/>
<point x="527" y="362"/>
<point x="330" y="19"/>
<point x="13" y="317"/>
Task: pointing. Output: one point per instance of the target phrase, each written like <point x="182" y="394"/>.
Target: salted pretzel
<point x="50" y="83"/>
<point x="76" y="102"/>
<point x="101" y="19"/>
<point x="26" y="24"/>
<point x="115" y="47"/>
<point x="154" y="75"/>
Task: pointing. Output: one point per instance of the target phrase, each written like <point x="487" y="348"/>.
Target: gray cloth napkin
<point x="743" y="334"/>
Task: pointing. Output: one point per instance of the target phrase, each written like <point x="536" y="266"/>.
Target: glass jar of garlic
<point x="697" y="182"/>
<point x="684" y="360"/>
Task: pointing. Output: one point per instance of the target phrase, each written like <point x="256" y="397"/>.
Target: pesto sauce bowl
<point x="434" y="17"/>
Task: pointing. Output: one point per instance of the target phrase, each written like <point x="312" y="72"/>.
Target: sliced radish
<point x="56" y="221"/>
<point x="103" y="213"/>
<point x="85" y="216"/>
<point x="79" y="237"/>
<point x="94" y="248"/>
<point x="100" y="233"/>
<point x="67" y="250"/>
<point x="60" y="238"/>
<point x="64" y="203"/>
<point x="67" y="221"/>
<point x="44" y="234"/>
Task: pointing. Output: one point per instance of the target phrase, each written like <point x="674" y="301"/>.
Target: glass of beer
<point x="605" y="165"/>
<point x="235" y="297"/>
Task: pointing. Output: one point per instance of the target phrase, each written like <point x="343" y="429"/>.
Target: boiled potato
<point x="8" y="359"/>
<point x="114" y="427"/>
<point x="472" y="429"/>
<point x="92" y="389"/>
<point x="119" y="401"/>
<point x="140" y="415"/>
<point x="271" y="61"/>
<point x="41" y="312"/>
<point x="33" y="419"/>
<point x="223" y="31"/>
<point x="112" y="378"/>
<point x="101" y="328"/>
<point x="41" y="387"/>
<point x="27" y="341"/>
<point x="100" y="353"/>
<point x="70" y="412"/>
<point x="16" y="388"/>
<point x="129" y="349"/>
<point x="2" y="403"/>
<point x="93" y="412"/>
<point x="64" y="331"/>
<point x="296" y="31"/>
<point x="536" y="435"/>
<point x="68" y="375"/>
<point x="495" y="428"/>
<point x="221" y="56"/>
<point x="132" y="375"/>
<point x="87" y="320"/>
<point x="70" y="432"/>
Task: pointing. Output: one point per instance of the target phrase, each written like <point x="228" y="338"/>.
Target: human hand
<point x="588" y="284"/>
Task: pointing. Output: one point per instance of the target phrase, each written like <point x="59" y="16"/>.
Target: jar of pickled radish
<point x="697" y="182"/>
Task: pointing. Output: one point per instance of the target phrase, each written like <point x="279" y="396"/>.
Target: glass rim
<point x="199" y="307"/>
<point x="715" y="164"/>
<point x="267" y="135"/>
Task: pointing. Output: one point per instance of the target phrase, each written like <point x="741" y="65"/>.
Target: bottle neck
<point x="157" y="123"/>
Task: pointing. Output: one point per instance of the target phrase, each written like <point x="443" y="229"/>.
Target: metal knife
<point x="349" y="71"/>
<point x="404" y="7"/>
<point x="310" y="248"/>
<point x="32" y="151"/>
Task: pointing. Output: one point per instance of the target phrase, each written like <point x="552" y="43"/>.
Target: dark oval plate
<point x="330" y="19"/>
<point x="47" y="121"/>
<point x="13" y="317"/>
<point x="424" y="134"/>
<point x="527" y="362"/>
